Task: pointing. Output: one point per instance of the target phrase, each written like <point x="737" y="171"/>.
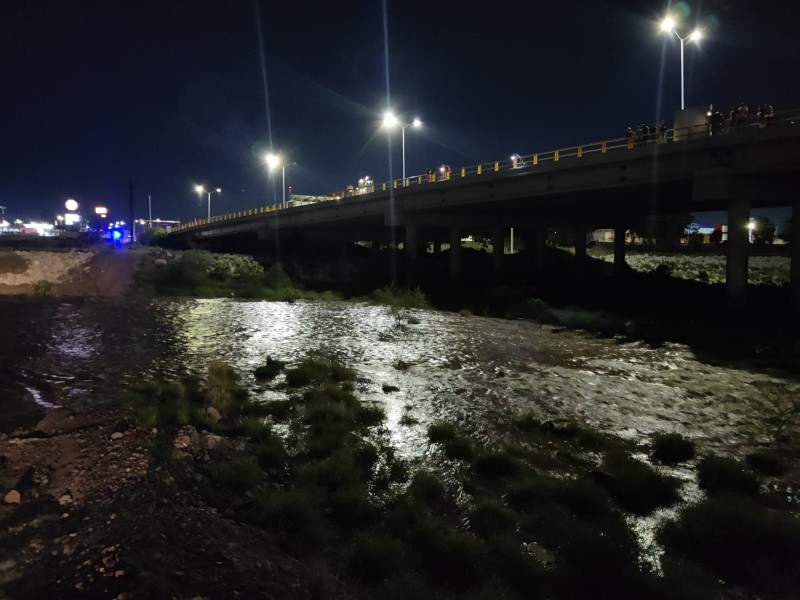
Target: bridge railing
<point x="522" y="163"/>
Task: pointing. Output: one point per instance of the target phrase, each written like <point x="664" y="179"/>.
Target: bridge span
<point x="615" y="184"/>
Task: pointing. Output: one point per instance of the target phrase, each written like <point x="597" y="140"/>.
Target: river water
<point x="475" y="371"/>
<point x="472" y="370"/>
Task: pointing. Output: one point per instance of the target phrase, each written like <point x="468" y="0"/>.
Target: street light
<point x="669" y="25"/>
<point x="273" y="160"/>
<point x="390" y="120"/>
<point x="202" y="190"/>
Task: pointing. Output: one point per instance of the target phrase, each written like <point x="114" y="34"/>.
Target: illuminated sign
<point x="100" y="210"/>
<point x="72" y="218"/>
<point x="71" y="205"/>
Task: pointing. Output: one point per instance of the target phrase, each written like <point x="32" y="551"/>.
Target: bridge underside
<point x="639" y="190"/>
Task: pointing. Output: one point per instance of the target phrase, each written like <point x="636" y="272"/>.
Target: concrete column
<point x="498" y="248"/>
<point x="411" y="241"/>
<point x="794" y="282"/>
<point x="455" y="253"/>
<point x="580" y="248"/>
<point x="539" y="246"/>
<point x="376" y="247"/>
<point x="738" y="255"/>
<point x="619" y="249"/>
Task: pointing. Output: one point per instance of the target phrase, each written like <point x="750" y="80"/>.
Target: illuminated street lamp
<point x="390" y="120"/>
<point x="273" y="161"/>
<point x="202" y="190"/>
<point x="669" y="25"/>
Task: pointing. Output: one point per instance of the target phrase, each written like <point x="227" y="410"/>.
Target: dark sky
<point x="167" y="94"/>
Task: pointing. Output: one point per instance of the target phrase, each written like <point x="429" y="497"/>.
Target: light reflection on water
<point x="475" y="371"/>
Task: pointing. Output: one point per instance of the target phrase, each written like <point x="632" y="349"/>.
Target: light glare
<point x="389" y="120"/>
<point x="667" y="24"/>
<point x="272" y="160"/>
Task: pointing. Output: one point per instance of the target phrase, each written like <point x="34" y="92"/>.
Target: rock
<point x="122" y="425"/>
<point x="213" y="413"/>
<point x="13" y="497"/>
<point x="160" y="262"/>
<point x="117" y="435"/>
<point x="65" y="499"/>
<point x="7" y="565"/>
<point x="211" y="441"/>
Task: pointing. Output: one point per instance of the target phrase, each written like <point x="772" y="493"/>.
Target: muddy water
<point x="472" y="370"/>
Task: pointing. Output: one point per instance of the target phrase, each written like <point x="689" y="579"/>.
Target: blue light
<point x="117" y="235"/>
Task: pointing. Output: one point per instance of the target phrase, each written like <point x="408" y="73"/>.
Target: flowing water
<point x="478" y="372"/>
<point x="473" y="370"/>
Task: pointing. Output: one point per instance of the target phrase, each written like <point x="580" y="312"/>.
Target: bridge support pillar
<point x="580" y="248"/>
<point x="619" y="250"/>
<point x="738" y="255"/>
<point x="411" y="251"/>
<point x="794" y="281"/>
<point x="376" y="247"/>
<point x="498" y="248"/>
<point x="455" y="253"/>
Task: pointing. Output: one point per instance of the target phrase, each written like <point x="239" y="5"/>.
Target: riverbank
<point x="89" y="271"/>
<point x="188" y="491"/>
<point x="88" y="514"/>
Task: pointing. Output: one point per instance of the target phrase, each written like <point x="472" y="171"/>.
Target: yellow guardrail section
<point x="518" y="163"/>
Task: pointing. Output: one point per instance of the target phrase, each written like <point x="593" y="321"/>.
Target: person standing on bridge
<point x="741" y="115"/>
<point x="662" y="132"/>
<point x="629" y="138"/>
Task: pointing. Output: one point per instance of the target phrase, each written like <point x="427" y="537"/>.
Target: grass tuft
<point x="720" y="475"/>
<point x="672" y="448"/>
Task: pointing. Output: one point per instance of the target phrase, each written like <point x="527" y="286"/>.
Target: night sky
<point x="167" y="94"/>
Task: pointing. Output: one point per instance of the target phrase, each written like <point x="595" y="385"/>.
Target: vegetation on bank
<point x="544" y="514"/>
<point x="202" y="274"/>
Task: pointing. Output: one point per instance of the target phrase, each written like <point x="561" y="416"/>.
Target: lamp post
<point x="669" y="25"/>
<point x="202" y="190"/>
<point x="273" y="160"/>
<point x="390" y="120"/>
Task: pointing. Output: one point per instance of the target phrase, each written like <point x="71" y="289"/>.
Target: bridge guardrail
<point x="520" y="162"/>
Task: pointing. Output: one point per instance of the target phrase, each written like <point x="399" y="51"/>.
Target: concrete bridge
<point x="616" y="184"/>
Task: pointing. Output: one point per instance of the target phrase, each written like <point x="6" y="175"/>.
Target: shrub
<point x="490" y="517"/>
<point x="388" y="389"/>
<point x="400" y="298"/>
<point x="43" y="288"/>
<point x="440" y="432"/>
<point x="740" y="543"/>
<point x="497" y="464"/>
<point x="318" y="370"/>
<point x="426" y="487"/>
<point x="767" y="463"/>
<point x="374" y="558"/>
<point x="636" y="487"/>
<point x="223" y="391"/>
<point x="537" y="310"/>
<point x="672" y="448"/>
<point x="719" y="475"/>
<point x="270" y="369"/>
<point x="239" y="476"/>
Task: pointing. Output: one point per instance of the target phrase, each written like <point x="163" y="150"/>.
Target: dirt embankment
<point x="85" y="513"/>
<point x="86" y="272"/>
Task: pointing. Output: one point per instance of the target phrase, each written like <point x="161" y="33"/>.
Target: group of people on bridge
<point x="644" y="134"/>
<point x="737" y="118"/>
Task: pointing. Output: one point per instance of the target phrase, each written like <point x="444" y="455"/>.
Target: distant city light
<point x="71" y="205"/>
<point x="100" y="210"/>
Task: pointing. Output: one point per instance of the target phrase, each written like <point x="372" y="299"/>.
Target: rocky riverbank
<point x="92" y="271"/>
<point x="87" y="514"/>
